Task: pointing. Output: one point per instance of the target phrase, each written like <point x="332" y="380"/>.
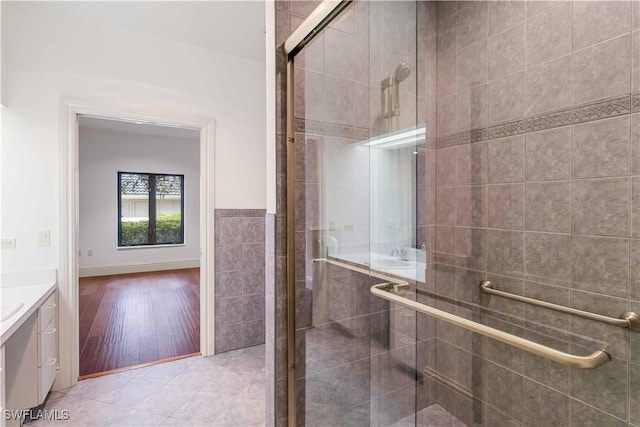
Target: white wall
<point x="270" y="55"/>
<point x="102" y="155"/>
<point x="51" y="54"/>
<point x="3" y="56"/>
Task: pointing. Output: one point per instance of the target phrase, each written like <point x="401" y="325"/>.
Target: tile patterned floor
<point x="222" y="390"/>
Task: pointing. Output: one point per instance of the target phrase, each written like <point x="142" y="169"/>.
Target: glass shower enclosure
<point x="455" y="259"/>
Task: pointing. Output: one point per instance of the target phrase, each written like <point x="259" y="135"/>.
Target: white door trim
<point x="69" y="209"/>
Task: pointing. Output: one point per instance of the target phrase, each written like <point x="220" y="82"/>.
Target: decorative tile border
<point x="580" y="114"/>
<point x="601" y="110"/>
<point x="479" y="135"/>
<point x="241" y="213"/>
<point x="507" y="129"/>
<point x="316" y="127"/>
<point x="549" y="120"/>
<point x="635" y="103"/>
<point x="452" y="140"/>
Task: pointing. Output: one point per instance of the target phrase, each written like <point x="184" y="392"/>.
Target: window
<point x="150" y="209"/>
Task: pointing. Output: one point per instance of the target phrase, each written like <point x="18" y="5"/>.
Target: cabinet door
<point x="21" y="360"/>
<point x="46" y="376"/>
<point x="47" y="343"/>
<point x="48" y="311"/>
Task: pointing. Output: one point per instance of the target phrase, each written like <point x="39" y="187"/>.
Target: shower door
<point x="358" y="148"/>
<point x="470" y="173"/>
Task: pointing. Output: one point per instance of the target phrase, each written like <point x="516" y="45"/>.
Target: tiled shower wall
<point x="538" y="190"/>
<point x="240" y="278"/>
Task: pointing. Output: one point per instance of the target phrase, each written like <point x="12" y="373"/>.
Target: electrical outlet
<point x="90" y="252"/>
<point x="8" y="242"/>
<point x="44" y="238"/>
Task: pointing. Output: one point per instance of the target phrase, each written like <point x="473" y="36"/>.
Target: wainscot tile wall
<point x="240" y="278"/>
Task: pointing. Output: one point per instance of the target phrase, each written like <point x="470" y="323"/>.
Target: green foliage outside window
<point x="168" y="230"/>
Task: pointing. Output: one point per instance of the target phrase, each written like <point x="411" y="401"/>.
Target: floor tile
<point x="174" y="422"/>
<point x="99" y="388"/>
<point x="96" y="414"/>
<point x="242" y="412"/>
<point x="166" y="400"/>
<point x="229" y="382"/>
<point x="132" y="393"/>
<point x="163" y="372"/>
<point x="133" y="418"/>
<point x="203" y="408"/>
<point x="255" y="391"/>
<point x="228" y="389"/>
<point x="195" y="376"/>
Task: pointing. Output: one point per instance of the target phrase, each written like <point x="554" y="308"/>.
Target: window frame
<point x="151" y="229"/>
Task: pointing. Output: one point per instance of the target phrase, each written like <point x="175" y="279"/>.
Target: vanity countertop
<point x="19" y="301"/>
<point x="413" y="270"/>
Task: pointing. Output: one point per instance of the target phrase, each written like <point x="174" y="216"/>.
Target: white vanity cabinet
<point x="31" y="358"/>
<point x="47" y="345"/>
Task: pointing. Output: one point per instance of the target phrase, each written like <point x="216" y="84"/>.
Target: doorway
<point x="139" y="243"/>
<point x="69" y="266"/>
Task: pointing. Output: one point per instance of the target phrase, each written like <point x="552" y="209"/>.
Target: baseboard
<point x="109" y="270"/>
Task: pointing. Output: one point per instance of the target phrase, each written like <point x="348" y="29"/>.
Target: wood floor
<point x="130" y="319"/>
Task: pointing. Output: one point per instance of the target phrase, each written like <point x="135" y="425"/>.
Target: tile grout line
<point x="630" y="216"/>
<point x="571" y="219"/>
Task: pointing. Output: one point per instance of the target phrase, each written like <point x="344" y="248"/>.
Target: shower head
<point x="402" y="72"/>
<point x="392" y="84"/>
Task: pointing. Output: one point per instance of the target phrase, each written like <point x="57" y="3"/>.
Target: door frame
<point x="68" y="270"/>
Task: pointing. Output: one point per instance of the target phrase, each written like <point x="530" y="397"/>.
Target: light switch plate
<point x="44" y="238"/>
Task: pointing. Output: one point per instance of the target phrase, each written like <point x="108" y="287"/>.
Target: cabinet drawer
<point x="48" y="342"/>
<point x="47" y="311"/>
<point x="46" y="377"/>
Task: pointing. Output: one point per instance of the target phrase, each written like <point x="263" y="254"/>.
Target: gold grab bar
<point x="629" y="319"/>
<point x="594" y="360"/>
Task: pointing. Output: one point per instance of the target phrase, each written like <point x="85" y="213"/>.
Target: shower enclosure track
<point x="594" y="360"/>
<point x="629" y="319"/>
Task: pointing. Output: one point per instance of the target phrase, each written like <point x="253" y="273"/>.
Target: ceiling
<point x="234" y="27"/>
<point x="110" y="125"/>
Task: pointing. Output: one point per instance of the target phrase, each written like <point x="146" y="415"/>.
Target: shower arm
<point x="594" y="360"/>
